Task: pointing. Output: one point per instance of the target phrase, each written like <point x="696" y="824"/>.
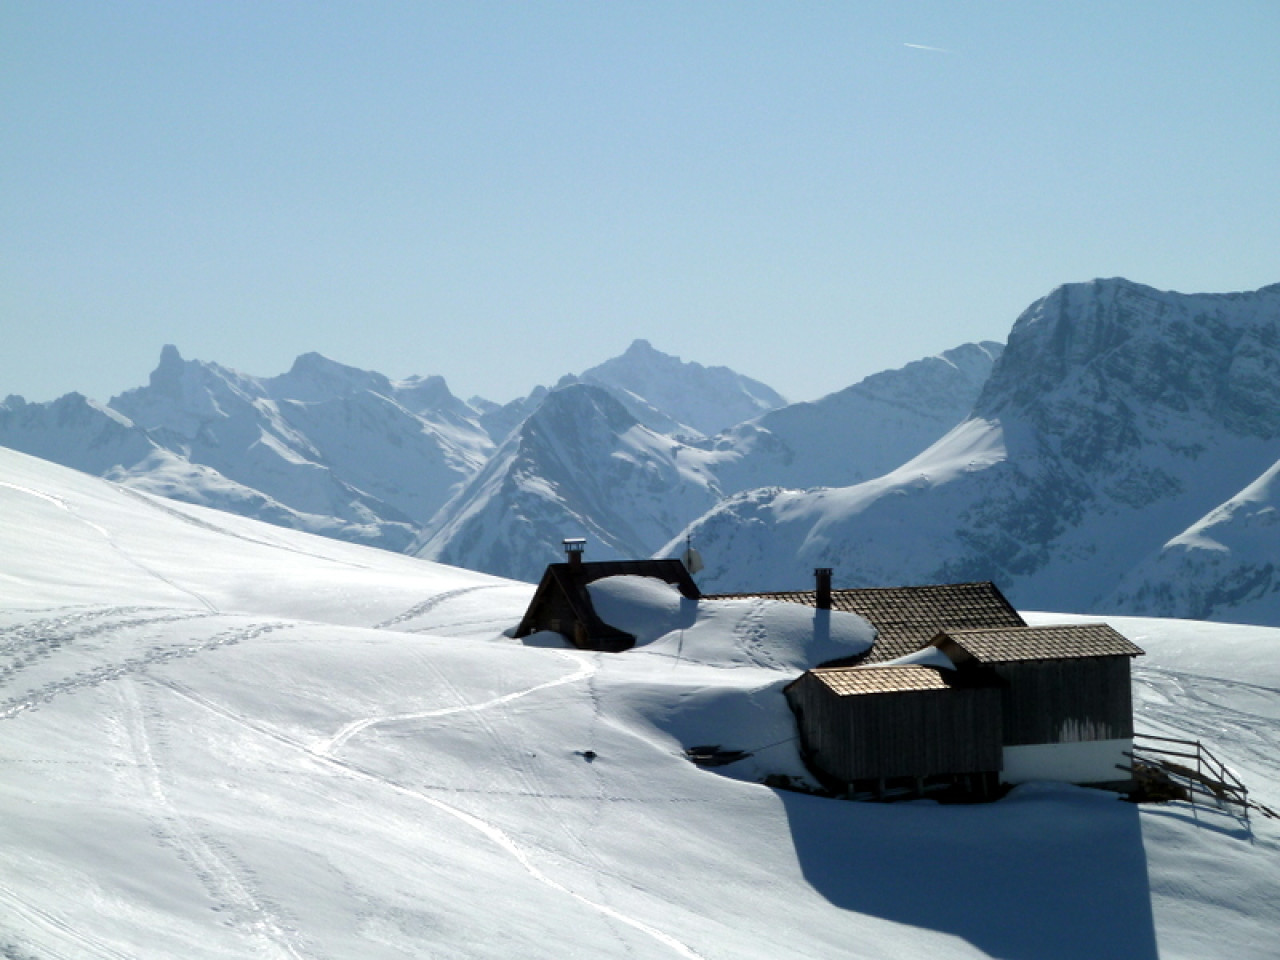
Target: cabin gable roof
<point x="1023" y="644"/>
<point x="566" y="584"/>
<point x="858" y="681"/>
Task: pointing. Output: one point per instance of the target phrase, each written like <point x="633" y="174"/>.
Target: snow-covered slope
<point x="709" y="399"/>
<point x="860" y="432"/>
<point x="1224" y="566"/>
<point x="1117" y="416"/>
<point x="579" y="466"/>
<point x="225" y="740"/>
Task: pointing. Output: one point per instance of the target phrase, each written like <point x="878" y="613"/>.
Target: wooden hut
<point x="1001" y="703"/>
<point x="899" y="727"/>
<point x="563" y="605"/>
<point x="1067" y="703"/>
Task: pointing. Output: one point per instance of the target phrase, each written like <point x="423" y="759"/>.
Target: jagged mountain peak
<point x="580" y="464"/>
<point x="709" y="399"/>
<point x="314" y="377"/>
<point x="431" y="393"/>
<point x="167" y="377"/>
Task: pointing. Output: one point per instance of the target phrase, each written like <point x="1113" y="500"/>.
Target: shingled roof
<point x="908" y="618"/>
<point x="853" y="681"/>
<point x="1064" y="642"/>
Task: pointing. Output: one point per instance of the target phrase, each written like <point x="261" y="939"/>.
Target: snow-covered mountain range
<point x="625" y="452"/>
<point x="1119" y="454"/>
<point x="1120" y="457"/>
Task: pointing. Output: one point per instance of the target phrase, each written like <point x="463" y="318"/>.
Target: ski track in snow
<point x="430" y="604"/>
<point x="753" y="637"/>
<point x="1193" y="706"/>
<point x="229" y="883"/>
<point x="585" y="668"/>
<point x="37" y="640"/>
<point x="60" y="929"/>
<point x="47" y="692"/>
<point x="324" y="753"/>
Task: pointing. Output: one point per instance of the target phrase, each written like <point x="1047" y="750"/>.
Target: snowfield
<point x="223" y="739"/>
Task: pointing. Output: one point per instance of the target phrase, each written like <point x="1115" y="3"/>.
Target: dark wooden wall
<point x="917" y="733"/>
<point x="1065" y="701"/>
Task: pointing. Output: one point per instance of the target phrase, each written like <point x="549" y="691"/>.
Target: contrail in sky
<point x="921" y="46"/>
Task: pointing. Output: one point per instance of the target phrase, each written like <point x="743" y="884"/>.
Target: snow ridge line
<point x="111" y="542"/>
<point x="155" y="503"/>
<point x="493" y="833"/>
<point x="585" y="669"/>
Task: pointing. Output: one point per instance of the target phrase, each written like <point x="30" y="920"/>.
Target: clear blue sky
<point x="506" y="192"/>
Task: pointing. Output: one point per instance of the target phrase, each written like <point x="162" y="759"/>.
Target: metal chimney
<point x="822" y="576"/>
<point x="573" y="547"/>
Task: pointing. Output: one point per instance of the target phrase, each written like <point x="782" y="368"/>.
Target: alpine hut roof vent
<point x="822" y="600"/>
<point x="573" y="547"/>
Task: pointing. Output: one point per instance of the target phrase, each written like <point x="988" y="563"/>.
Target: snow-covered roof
<point x="908" y="618"/>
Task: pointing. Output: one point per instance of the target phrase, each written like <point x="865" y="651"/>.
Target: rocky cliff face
<point x="1116" y="417"/>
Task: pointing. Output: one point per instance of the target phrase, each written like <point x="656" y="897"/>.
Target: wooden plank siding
<point x="1066" y="701"/>
<point x="916" y="733"/>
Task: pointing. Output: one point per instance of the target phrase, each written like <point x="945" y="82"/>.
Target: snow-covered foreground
<point x="221" y="739"/>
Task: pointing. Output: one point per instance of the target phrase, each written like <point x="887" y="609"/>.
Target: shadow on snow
<point x="1046" y="873"/>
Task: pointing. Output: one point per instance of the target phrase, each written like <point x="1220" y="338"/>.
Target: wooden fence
<point x="1191" y="766"/>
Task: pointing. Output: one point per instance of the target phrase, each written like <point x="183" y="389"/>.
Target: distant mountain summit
<point x="599" y="461"/>
<point x="1117" y="416"/>
<point x="580" y="465"/>
<point x="709" y="399"/>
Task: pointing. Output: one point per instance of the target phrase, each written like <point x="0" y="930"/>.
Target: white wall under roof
<point x="1090" y="761"/>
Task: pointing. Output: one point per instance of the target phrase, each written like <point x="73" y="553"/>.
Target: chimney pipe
<point x="573" y="547"/>
<point x="823" y="577"/>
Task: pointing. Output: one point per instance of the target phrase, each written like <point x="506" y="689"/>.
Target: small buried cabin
<point x="862" y="728"/>
<point x="1067" y="703"/>
<point x="562" y="604"/>
<point x="981" y="706"/>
